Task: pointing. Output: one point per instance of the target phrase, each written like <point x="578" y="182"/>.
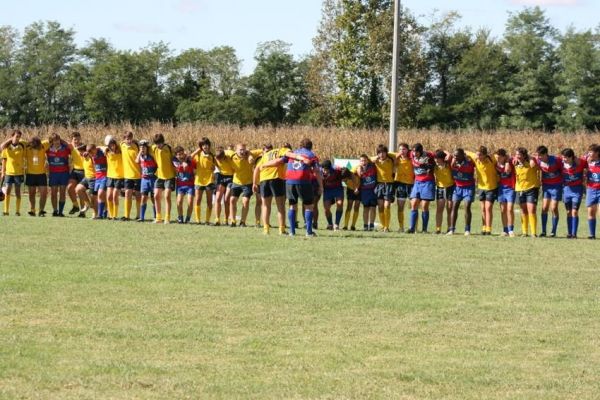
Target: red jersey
<point x="423" y="167"/>
<point x="58" y="159"/>
<point x="573" y="174"/>
<point x="593" y="174"/>
<point x="463" y="173"/>
<point x="184" y="174"/>
<point x="507" y="175"/>
<point x="551" y="170"/>
<point x="334" y="179"/>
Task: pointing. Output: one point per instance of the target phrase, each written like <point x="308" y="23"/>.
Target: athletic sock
<point x="382" y="218"/>
<point x="569" y="225"/>
<point x="354" y="217"/>
<point x="188" y="218"/>
<point x="6" y="204"/>
<point x="127" y="208"/>
<point x="338" y="217"/>
<point x="544" y="222"/>
<point x="61" y="207"/>
<point x="18" y="205"/>
<point x="533" y="224"/>
<point x="592" y="227"/>
<point x="197" y="213"/>
<point x="292" y="220"/>
<point x="554" y="225"/>
<point x="167" y="216"/>
<point x="328" y="216"/>
<point x="401" y="218"/>
<point x="143" y="211"/>
<point x="467" y="228"/>
<point x="347" y="214"/>
<point x="574" y="226"/>
<point x="101" y="206"/>
<point x="525" y="224"/>
<point x="308" y="217"/>
<point x="208" y="214"/>
<point x="414" y="214"/>
<point x="425" y="219"/>
<point x="505" y="229"/>
<point x="511" y="228"/>
<point x="387" y="214"/>
<point x="158" y="216"/>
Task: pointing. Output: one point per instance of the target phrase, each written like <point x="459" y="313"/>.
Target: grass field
<point x="101" y="309"/>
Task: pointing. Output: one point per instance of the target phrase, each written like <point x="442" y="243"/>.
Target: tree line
<point x="450" y="77"/>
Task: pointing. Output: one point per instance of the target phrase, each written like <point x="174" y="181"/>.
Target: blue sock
<point x="188" y="218"/>
<point x="292" y="219"/>
<point x="308" y="217"/>
<point x="511" y="228"/>
<point x="569" y="225"/>
<point x="554" y="225"/>
<point x="592" y="226"/>
<point x="505" y="229"/>
<point x="425" y="218"/>
<point x="143" y="211"/>
<point x="338" y="217"/>
<point x="329" y="218"/>
<point x="575" y="225"/>
<point x="154" y="209"/>
<point x="467" y="228"/>
<point x="414" y="214"/>
<point x="100" y="209"/>
<point x="544" y="222"/>
<point x="61" y="207"/>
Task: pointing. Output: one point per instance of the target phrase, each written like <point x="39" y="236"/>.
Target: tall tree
<point x="529" y="42"/>
<point x="9" y="93"/>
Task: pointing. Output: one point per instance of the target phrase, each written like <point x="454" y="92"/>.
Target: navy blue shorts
<point x="385" y="191"/>
<point x="147" y="186"/>
<point x="487" y="195"/>
<point x="592" y="197"/>
<point x="77" y="175"/>
<point x="368" y="198"/>
<point x="165" y="184"/>
<point x="36" y="180"/>
<point x="351" y="195"/>
<point x="241" y="190"/>
<point x="185" y="190"/>
<point x="333" y="194"/>
<point x="572" y="196"/>
<point x="132" y="184"/>
<point x="100" y="184"/>
<point x="58" y="179"/>
<point x="16" y="180"/>
<point x="116" y="183"/>
<point x="466" y="193"/>
<point x="272" y="188"/>
<point x="224" y="180"/>
<point x="506" y="194"/>
<point x="210" y="187"/>
<point x="403" y="190"/>
<point x="297" y="191"/>
<point x="552" y="192"/>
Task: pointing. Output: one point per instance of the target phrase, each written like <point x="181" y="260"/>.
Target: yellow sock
<point x="354" y="217"/>
<point x="217" y="220"/>
<point x="127" y="208"/>
<point x="346" y="218"/>
<point x="197" y="213"/>
<point x="168" y="216"/>
<point x="18" y="204"/>
<point x="401" y="218"/>
<point x="115" y="208"/>
<point x="524" y="224"/>
<point x="6" y="204"/>
<point x="208" y="213"/>
<point x="533" y="224"/>
<point x="282" y="229"/>
<point x="388" y="217"/>
<point x="158" y="216"/>
<point x="266" y="229"/>
<point x="382" y="218"/>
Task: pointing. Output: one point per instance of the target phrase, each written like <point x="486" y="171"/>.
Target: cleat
<point x="167" y="222"/>
<point x="449" y="233"/>
<point x="543" y="234"/>
<point x="467" y="233"/>
<point x="81" y="214"/>
<point x="17" y="214"/>
<point x="42" y="214"/>
<point x="553" y="235"/>
<point x="345" y="228"/>
<point x="592" y="237"/>
<point x="410" y="231"/>
<point x="312" y="234"/>
<point x="329" y="227"/>
<point x="125" y="219"/>
<point x="158" y="221"/>
<point x="74" y="210"/>
<point x="55" y="213"/>
<point x="242" y="224"/>
<point x="233" y="224"/>
<point x="336" y="228"/>
<point x="217" y="223"/>
<point x="31" y="213"/>
<point x="5" y="214"/>
<point x="511" y="234"/>
<point x="352" y="228"/>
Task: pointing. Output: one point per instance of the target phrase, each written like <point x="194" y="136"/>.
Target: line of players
<point x="94" y="177"/>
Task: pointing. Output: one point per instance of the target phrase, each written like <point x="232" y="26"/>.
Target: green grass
<point x="100" y="309"/>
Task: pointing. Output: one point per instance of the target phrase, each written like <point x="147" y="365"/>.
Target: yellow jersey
<point x="36" y="159"/>
<point x="385" y="168"/>
<point x="443" y="176"/>
<point x="131" y="169"/>
<point x="527" y="177"/>
<point x="243" y="167"/>
<point x="15" y="158"/>
<point x="205" y="168"/>
<point x="76" y="159"/>
<point x="270" y="173"/>
<point x="88" y="168"/>
<point x="352" y="182"/>
<point x="485" y="172"/>
<point x="224" y="164"/>
<point x="404" y="171"/>
<point x="114" y="165"/>
<point x="164" y="161"/>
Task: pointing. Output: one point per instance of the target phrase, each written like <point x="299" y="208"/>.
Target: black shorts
<point x="385" y="191"/>
<point x="132" y="184"/>
<point x="304" y="192"/>
<point x="403" y="190"/>
<point x="487" y="195"/>
<point x="241" y="190"/>
<point x="351" y="195"/>
<point x="444" y="193"/>
<point x="528" y="196"/>
<point x="224" y="180"/>
<point x="36" y="180"/>
<point x="210" y="187"/>
<point x="114" y="183"/>
<point x="77" y="175"/>
<point x="165" y="184"/>
<point x="272" y="188"/>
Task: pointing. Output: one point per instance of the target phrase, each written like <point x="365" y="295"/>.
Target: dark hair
<point x="382" y="149"/>
<point x="158" y="138"/>
<point x="17" y="132"/>
<point x="306" y="144"/>
<point x="501" y="152"/>
<point x="596" y="149"/>
<point x="568" y="153"/>
<point x="178" y="149"/>
<point x="483" y="150"/>
<point x="440" y="154"/>
<point x="418" y="147"/>
<point x="542" y="150"/>
<point x="286" y="145"/>
<point x="268" y="146"/>
<point x="117" y="148"/>
<point x="90" y="147"/>
<point x="405" y="145"/>
<point x="128" y="135"/>
<point x="35" y="142"/>
<point x="54" y="136"/>
<point x="523" y="151"/>
<point x="326" y="164"/>
<point x="204" y="141"/>
<point x="75" y="134"/>
<point x="363" y="155"/>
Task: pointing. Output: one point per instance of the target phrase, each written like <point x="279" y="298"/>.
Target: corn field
<point x="328" y="142"/>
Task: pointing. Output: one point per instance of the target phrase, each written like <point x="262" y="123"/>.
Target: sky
<point x="242" y="24"/>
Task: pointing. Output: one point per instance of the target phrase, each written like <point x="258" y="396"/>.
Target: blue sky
<point x="242" y="24"/>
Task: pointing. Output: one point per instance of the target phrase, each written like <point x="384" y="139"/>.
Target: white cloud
<point x="188" y="6"/>
<point x="138" y="28"/>
<point x="547" y="2"/>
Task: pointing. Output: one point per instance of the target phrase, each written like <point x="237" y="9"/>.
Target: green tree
<point x="9" y="92"/>
<point x="578" y="79"/>
<point x="529" y="43"/>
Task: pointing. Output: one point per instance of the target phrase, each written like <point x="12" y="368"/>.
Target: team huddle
<point x="147" y="173"/>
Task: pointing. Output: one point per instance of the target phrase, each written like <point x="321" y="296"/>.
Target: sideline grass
<point x="124" y="310"/>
